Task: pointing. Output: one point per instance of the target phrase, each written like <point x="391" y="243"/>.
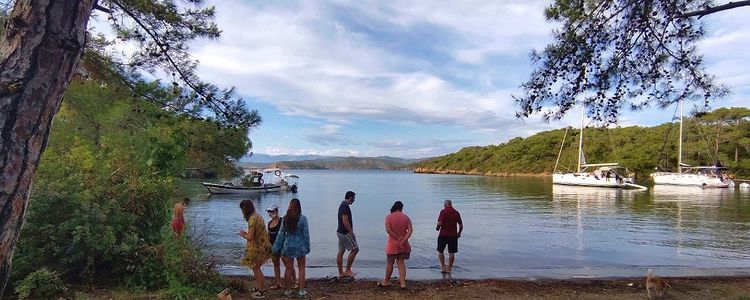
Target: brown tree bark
<point x="44" y="40"/>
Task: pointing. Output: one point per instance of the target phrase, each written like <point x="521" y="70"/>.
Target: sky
<point x="408" y="79"/>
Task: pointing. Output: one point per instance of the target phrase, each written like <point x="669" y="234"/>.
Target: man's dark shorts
<point x="450" y="241"/>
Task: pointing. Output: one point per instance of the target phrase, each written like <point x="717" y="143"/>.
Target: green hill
<point x="637" y="148"/>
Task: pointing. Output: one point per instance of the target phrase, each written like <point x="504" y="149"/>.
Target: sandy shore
<point x="621" y="288"/>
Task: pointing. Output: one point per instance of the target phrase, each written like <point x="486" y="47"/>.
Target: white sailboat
<point x="594" y="175"/>
<point x="686" y="175"/>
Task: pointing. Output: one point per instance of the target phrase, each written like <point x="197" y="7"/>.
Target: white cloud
<point x="454" y="64"/>
<point x="308" y="63"/>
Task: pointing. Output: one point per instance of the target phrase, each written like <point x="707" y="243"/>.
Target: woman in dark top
<point x="274" y="225"/>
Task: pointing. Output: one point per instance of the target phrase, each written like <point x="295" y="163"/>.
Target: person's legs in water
<point x="441" y="243"/>
<point x="452" y="249"/>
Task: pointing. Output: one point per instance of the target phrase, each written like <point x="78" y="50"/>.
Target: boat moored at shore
<point x="253" y="182"/>
<point x="698" y="176"/>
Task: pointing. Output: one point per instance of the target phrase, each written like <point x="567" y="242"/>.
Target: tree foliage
<point x="99" y="210"/>
<point x="620" y="54"/>
<point x="731" y="126"/>
<point x="40" y="49"/>
<point x="160" y="31"/>
<point x="637" y="148"/>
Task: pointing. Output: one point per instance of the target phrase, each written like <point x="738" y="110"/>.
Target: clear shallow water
<point x="514" y="227"/>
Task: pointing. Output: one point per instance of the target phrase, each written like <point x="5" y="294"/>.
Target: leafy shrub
<point x="186" y="263"/>
<point x="99" y="210"/>
<point x="41" y="284"/>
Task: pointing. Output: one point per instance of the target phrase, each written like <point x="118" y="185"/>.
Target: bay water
<point x="516" y="227"/>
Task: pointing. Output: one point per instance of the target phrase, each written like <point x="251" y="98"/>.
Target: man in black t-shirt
<point x="345" y="233"/>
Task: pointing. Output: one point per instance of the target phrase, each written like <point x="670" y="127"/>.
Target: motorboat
<point x="271" y="180"/>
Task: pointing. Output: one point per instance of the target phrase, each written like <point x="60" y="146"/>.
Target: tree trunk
<point x="44" y="39"/>
<point x="718" y="131"/>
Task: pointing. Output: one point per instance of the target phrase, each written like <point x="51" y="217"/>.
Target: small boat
<point x="254" y="182"/>
<point x="745" y="186"/>
<point x="228" y="188"/>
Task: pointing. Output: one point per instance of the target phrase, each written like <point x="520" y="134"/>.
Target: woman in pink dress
<point x="397" y="248"/>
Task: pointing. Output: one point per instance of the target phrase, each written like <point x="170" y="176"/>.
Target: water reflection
<point x="691" y="194"/>
<point x="514" y="226"/>
<point x="708" y="219"/>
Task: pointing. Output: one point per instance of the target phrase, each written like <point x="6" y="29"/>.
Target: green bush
<point x="41" y="284"/>
<point x="186" y="263"/>
<point x="99" y="212"/>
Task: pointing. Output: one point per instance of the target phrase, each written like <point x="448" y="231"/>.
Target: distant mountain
<point x="345" y="163"/>
<point x="267" y="159"/>
<point x="329" y="162"/>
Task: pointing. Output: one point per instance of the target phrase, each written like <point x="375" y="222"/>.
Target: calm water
<point x="514" y="227"/>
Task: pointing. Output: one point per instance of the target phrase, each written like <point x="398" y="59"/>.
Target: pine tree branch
<point x="715" y="9"/>
<point x="185" y="77"/>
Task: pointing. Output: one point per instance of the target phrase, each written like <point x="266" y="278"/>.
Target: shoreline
<point x="493" y="174"/>
<point x="527" y="274"/>
<point x="726" y="287"/>
<point x="719" y="287"/>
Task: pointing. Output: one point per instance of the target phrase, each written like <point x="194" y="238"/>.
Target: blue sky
<point x="407" y="78"/>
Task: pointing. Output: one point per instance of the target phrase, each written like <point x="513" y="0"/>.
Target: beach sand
<point x="621" y="288"/>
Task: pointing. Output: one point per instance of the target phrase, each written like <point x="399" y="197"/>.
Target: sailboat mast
<point x="679" y="154"/>
<point x="580" y="138"/>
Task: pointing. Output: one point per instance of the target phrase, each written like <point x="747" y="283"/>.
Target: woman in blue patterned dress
<point x="293" y="242"/>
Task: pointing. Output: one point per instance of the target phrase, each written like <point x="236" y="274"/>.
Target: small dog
<point x="224" y="294"/>
<point x="657" y="284"/>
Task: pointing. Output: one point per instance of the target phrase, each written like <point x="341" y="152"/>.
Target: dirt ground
<point x="627" y="288"/>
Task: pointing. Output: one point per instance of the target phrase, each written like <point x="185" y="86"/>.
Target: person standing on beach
<point x="257" y="248"/>
<point x="178" y="216"/>
<point x="450" y="226"/>
<point x="274" y="226"/>
<point x="347" y="239"/>
<point x="397" y="248"/>
<point x="293" y="243"/>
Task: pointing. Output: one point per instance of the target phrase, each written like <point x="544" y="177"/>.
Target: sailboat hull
<point x="588" y="179"/>
<point x="689" y="179"/>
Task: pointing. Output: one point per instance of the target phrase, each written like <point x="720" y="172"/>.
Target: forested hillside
<point x="637" y="148"/>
